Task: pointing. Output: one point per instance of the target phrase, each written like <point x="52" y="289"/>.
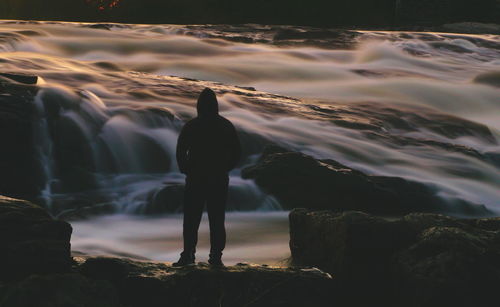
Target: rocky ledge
<point x="36" y="269"/>
<point x="420" y="259"/>
<point x="109" y="282"/>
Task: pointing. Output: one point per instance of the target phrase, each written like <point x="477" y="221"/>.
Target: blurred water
<point x="251" y="237"/>
<point x="118" y="69"/>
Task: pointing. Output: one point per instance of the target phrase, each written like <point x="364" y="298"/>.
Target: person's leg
<point x="216" y="207"/>
<point x="194" y="196"/>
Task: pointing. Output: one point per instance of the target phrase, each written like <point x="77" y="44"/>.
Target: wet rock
<point x="153" y="284"/>
<point x="23" y="79"/>
<point x="417" y="260"/>
<point x="449" y="266"/>
<point x="165" y="200"/>
<point x="60" y="290"/>
<point x="296" y="179"/>
<point x="31" y="241"/>
<point x="20" y="171"/>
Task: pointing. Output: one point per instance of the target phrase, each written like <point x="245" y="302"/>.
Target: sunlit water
<point x="408" y="88"/>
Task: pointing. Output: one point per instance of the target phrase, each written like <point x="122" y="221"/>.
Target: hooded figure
<point x="207" y="149"/>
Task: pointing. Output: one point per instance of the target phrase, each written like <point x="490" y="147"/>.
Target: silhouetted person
<point x="207" y="149"/>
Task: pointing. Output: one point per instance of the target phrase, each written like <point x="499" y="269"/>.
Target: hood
<point x="207" y="104"/>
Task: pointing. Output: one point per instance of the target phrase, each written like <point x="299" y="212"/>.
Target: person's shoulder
<point x="189" y="125"/>
<point x="226" y="122"/>
<point x="192" y="122"/>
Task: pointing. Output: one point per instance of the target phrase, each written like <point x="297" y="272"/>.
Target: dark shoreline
<point x="316" y="13"/>
<point x="471" y="28"/>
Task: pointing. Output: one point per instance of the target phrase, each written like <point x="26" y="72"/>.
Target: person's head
<point x="207" y="104"/>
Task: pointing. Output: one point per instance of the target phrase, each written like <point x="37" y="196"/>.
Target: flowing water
<point x="424" y="106"/>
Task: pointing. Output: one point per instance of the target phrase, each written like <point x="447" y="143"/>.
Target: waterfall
<point x="422" y="106"/>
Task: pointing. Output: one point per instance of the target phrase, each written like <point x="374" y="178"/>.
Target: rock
<point x="296" y="179"/>
<point x="153" y="284"/>
<point x="449" y="266"/>
<point x="164" y="200"/>
<point x="121" y="282"/>
<point x="23" y="79"/>
<point x="31" y="241"/>
<point x="20" y="172"/>
<point x="418" y="260"/>
<point x="60" y="290"/>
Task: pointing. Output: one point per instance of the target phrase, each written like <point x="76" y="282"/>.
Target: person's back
<point x="207" y="149"/>
<point x="208" y="144"/>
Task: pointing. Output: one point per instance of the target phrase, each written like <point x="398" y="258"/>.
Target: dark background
<point x="297" y="12"/>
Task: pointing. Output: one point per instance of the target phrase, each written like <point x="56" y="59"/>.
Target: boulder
<point x="20" y="172"/>
<point x="155" y="284"/>
<point x="31" y="241"/>
<point x="420" y="259"/>
<point x="121" y="282"/>
<point x="296" y="179"/>
<point x="165" y="199"/>
<point x="60" y="290"/>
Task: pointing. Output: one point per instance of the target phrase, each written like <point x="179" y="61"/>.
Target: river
<point x="423" y="106"/>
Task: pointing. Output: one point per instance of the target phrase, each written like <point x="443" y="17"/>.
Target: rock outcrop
<point x="298" y="180"/>
<point x="420" y="259"/>
<point x="417" y="260"/>
<point x="31" y="241"/>
<point x="20" y="173"/>
<point x="36" y="269"/>
<point x="110" y="282"/>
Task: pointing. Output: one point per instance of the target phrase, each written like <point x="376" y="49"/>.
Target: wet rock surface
<point x="296" y="180"/>
<point x="19" y="172"/>
<point x="31" y="241"/>
<point x="416" y="260"/>
<point x="153" y="284"/>
<point x="122" y="282"/>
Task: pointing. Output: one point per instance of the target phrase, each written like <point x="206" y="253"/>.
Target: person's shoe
<point x="215" y="262"/>
<point x="184" y="260"/>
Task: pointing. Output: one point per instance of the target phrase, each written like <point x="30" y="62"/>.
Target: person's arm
<point x="234" y="148"/>
<point x="182" y="149"/>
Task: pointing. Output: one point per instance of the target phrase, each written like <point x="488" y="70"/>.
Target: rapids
<point x="423" y="106"/>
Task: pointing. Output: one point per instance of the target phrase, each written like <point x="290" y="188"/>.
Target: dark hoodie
<point x="208" y="144"/>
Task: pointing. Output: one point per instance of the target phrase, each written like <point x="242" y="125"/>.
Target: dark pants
<point x="212" y="191"/>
